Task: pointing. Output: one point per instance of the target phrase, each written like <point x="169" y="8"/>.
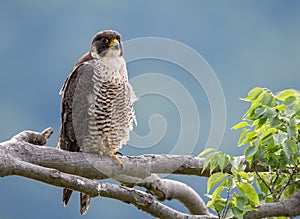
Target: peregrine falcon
<point x="97" y="104"/>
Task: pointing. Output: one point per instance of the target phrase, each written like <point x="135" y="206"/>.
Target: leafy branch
<point x="270" y="134"/>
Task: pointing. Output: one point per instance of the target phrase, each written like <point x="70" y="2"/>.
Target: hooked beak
<point x="115" y="43"/>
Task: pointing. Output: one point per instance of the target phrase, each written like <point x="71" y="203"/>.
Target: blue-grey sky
<point x="246" y="43"/>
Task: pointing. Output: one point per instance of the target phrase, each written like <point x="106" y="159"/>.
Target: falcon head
<point x="106" y="43"/>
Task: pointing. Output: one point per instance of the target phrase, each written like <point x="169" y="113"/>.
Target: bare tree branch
<point x="20" y="156"/>
<point x="166" y="189"/>
<point x="140" y="199"/>
<point x="93" y="166"/>
<point x="163" y="189"/>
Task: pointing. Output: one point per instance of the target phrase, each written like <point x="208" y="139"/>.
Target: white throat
<point x="110" y="53"/>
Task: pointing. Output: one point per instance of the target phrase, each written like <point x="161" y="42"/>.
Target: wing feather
<point x="67" y="136"/>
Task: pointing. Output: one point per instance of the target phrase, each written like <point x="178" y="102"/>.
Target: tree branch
<point x="166" y="189"/>
<point x="93" y="166"/>
<point x="20" y="156"/>
<point x="290" y="207"/>
<point x="139" y="199"/>
<point x="24" y="159"/>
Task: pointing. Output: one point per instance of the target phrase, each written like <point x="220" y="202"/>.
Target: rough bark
<point x="289" y="207"/>
<point x="93" y="166"/>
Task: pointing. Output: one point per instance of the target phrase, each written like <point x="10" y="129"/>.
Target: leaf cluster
<point x="270" y="133"/>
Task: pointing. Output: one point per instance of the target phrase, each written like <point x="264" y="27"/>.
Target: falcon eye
<point x="104" y="40"/>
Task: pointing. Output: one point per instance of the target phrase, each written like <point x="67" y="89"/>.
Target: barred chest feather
<point x="109" y="112"/>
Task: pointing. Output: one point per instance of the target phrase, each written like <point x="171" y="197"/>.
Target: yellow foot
<point x="101" y="154"/>
<point x="117" y="159"/>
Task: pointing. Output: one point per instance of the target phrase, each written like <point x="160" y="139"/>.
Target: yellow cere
<point x="113" y="42"/>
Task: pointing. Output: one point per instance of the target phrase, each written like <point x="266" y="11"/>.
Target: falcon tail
<point x="66" y="196"/>
<point x="84" y="202"/>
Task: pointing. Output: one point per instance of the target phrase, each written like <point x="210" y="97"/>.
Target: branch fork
<point x="79" y="171"/>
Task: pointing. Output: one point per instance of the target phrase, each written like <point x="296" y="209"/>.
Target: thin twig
<point x="226" y="208"/>
<point x="288" y="183"/>
<point x="265" y="183"/>
<point x="274" y="182"/>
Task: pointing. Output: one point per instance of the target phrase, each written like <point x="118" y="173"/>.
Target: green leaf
<point x="291" y="131"/>
<point x="273" y="161"/>
<point x="241" y="202"/>
<point x="253" y="94"/>
<point x="244" y="175"/>
<point x="210" y="204"/>
<point x="237" y="163"/>
<point x="248" y="190"/>
<point x="206" y="162"/>
<point x="215" y="179"/>
<point x="227" y="183"/>
<point x="267" y="134"/>
<point x="240" y="125"/>
<point x="283" y="160"/>
<point x="216" y="205"/>
<point x="286" y="93"/>
<point x="217" y="192"/>
<point x="294" y="122"/>
<point x="249" y="137"/>
<point x="214" y="162"/>
<point x="219" y="205"/>
<point x="251" y="112"/>
<point x="275" y="122"/>
<point x="290" y="148"/>
<point x="242" y="136"/>
<point x="258" y="112"/>
<point x="290" y="100"/>
<point x="267" y="99"/>
<point x="237" y="213"/>
<point x="297" y="109"/>
<point x="261" y="122"/>
<point x="250" y="208"/>
<point x="224" y="160"/>
<point x="206" y="151"/>
<point x="280" y="137"/>
<point x="270" y="114"/>
<point x="262" y="187"/>
<point x="259" y="154"/>
<point x="288" y="113"/>
<point x="250" y="150"/>
<point x="290" y="190"/>
<point x="271" y="146"/>
<point x="269" y="200"/>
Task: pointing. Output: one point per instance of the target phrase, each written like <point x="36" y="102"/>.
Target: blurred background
<point x="246" y="43"/>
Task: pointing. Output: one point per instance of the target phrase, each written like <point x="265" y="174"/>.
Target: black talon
<point x="119" y="153"/>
